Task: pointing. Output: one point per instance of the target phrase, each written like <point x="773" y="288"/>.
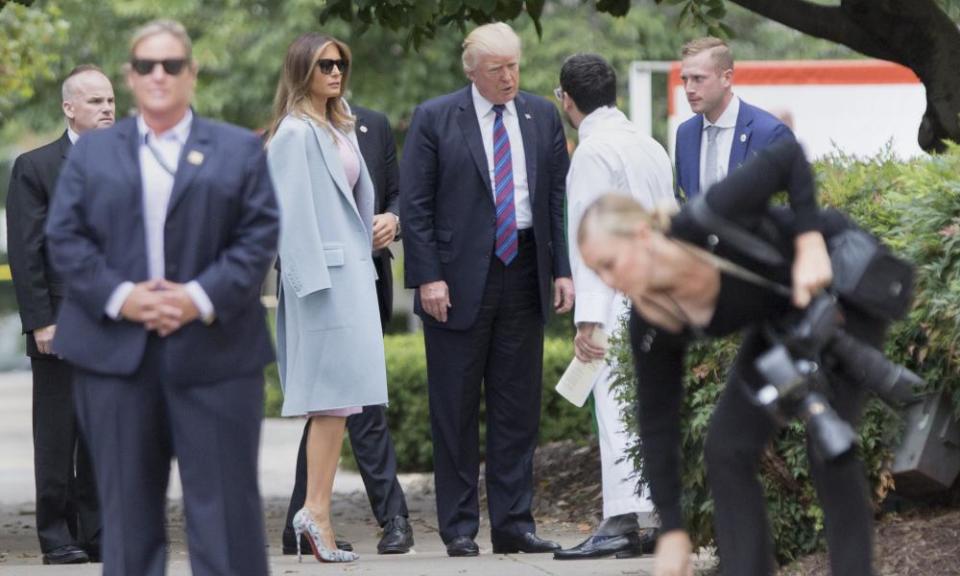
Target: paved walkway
<point x="19" y="553"/>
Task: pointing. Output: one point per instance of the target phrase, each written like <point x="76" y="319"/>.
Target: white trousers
<point x="619" y="483"/>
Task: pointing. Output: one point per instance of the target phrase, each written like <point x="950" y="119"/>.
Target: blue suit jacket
<point x="756" y="129"/>
<point x="221" y="230"/>
<point x="447" y="205"/>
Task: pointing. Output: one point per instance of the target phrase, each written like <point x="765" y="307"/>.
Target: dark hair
<point x="590" y="81"/>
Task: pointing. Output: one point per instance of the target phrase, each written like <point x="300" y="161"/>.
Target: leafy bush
<point x="915" y="207"/>
<point x="408" y="414"/>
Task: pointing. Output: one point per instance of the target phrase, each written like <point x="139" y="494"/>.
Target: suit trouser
<point x="135" y="425"/>
<point x="619" y="481"/>
<point x="739" y="432"/>
<point x="503" y="351"/>
<point x="67" y="508"/>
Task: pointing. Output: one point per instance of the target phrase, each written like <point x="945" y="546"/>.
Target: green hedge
<point x="915" y="207"/>
<point x="408" y="414"/>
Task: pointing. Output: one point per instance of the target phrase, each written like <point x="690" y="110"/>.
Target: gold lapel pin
<point x="363" y="129"/>
<point x="743" y="137"/>
<point x="195" y="157"/>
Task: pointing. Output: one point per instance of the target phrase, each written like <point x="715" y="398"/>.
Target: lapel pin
<point x="363" y="129"/>
<point x="528" y="117"/>
<point x="743" y="137"/>
<point x="195" y="157"/>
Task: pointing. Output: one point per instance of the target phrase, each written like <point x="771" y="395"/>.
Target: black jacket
<point x="39" y="288"/>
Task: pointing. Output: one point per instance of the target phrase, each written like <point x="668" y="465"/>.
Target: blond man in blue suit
<point x="726" y="130"/>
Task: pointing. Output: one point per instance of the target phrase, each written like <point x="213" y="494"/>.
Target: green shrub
<point x="408" y="414"/>
<point x="915" y="207"/>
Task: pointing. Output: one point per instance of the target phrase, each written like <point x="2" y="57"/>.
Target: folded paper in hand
<point x="577" y="380"/>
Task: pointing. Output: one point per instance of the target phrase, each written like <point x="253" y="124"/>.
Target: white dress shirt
<point x="157" y="186"/>
<point x="613" y="156"/>
<point x="521" y="189"/>
<point x="73" y="136"/>
<point x="727" y="124"/>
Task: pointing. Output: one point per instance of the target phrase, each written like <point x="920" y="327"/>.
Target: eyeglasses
<point x="326" y="65"/>
<point x="171" y="66"/>
<point x="558" y="93"/>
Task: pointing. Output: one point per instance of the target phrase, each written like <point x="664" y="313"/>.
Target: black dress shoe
<point x="68" y="554"/>
<point x="648" y="540"/>
<point x="290" y="549"/>
<point x="597" y="546"/>
<point x="462" y="546"/>
<point x="397" y="536"/>
<point x="529" y="543"/>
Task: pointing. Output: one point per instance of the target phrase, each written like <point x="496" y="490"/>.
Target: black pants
<point x="67" y="508"/>
<point x="739" y="431"/>
<point x="503" y="352"/>
<point x="134" y="426"/>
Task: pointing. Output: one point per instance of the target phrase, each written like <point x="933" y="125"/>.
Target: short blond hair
<point x="490" y="39"/>
<point x="154" y="27"/>
<point x="720" y="52"/>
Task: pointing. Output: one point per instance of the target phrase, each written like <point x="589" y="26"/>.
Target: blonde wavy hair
<point x="293" y="89"/>
<point x="617" y="215"/>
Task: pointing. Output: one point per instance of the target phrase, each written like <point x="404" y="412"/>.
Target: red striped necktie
<point x="506" y="244"/>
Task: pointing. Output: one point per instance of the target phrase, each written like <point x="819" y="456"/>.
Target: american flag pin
<point x="363" y="129"/>
<point x="195" y="157"/>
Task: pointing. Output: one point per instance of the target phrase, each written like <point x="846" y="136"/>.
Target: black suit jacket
<point x="221" y="230"/>
<point x="379" y="151"/>
<point x="449" y="217"/>
<point x="38" y="286"/>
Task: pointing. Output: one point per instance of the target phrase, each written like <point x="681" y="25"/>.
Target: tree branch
<point x="826" y="22"/>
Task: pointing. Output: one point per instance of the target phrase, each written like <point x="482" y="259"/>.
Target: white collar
<point x="729" y="117"/>
<point x="73" y="136"/>
<point x="484" y="106"/>
<point x="594" y="119"/>
<point x="179" y="132"/>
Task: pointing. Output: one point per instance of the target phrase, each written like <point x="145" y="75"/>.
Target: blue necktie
<point x="506" y="243"/>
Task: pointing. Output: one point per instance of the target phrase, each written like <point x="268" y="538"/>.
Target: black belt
<point x="525" y="235"/>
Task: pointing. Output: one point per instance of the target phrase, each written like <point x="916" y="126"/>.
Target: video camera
<point x="806" y="352"/>
<point x="810" y="347"/>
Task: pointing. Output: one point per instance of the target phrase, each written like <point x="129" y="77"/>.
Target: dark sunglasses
<point x="326" y="65"/>
<point x="171" y="66"/>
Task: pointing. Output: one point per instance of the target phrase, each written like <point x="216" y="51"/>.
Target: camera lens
<point x="832" y="435"/>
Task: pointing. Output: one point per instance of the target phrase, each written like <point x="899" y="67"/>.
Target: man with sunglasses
<point x="163" y="228"/>
<point x="67" y="513"/>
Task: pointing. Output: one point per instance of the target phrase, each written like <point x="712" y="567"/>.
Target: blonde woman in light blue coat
<point x="329" y="341"/>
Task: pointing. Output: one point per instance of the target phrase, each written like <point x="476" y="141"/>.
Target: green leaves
<point x="30" y="43"/>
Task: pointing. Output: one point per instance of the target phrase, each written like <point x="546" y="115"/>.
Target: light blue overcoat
<point x="329" y="340"/>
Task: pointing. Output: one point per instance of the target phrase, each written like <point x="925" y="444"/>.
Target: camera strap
<point x="736" y="270"/>
<point x="744" y="241"/>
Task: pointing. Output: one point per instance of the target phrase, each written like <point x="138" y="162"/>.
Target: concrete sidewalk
<point x="19" y="551"/>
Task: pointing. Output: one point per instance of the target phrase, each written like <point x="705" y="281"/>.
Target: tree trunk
<point x="914" y="33"/>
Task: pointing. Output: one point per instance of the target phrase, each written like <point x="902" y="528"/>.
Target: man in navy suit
<point x="163" y="228"/>
<point x="726" y="130"/>
<point x="482" y="198"/>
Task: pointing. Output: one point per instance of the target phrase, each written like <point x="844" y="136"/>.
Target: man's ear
<point x="68" y="109"/>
